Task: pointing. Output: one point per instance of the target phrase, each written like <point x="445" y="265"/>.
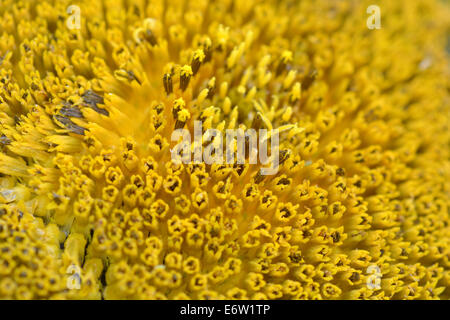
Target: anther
<point x="167" y="80"/>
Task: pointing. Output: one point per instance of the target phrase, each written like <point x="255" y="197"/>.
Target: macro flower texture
<point x="94" y="206"/>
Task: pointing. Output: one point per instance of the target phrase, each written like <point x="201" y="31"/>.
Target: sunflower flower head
<point x="93" y="204"/>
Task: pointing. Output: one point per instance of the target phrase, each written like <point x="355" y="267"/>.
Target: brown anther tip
<point x="91" y="99"/>
<point x="69" y="125"/>
<point x="167" y="81"/>
<point x="259" y="177"/>
<point x="309" y="79"/>
<point x="184" y="81"/>
<point x="150" y="37"/>
<point x="195" y="65"/>
<point x="4" y="140"/>
<point x="257" y="121"/>
<point x="208" y="53"/>
<point x="71" y="111"/>
<point x="284" y="155"/>
<point x="282" y="66"/>
<point x="179" y="124"/>
<point x="132" y="76"/>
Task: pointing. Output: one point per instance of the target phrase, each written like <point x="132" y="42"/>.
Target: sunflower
<point x="93" y="206"/>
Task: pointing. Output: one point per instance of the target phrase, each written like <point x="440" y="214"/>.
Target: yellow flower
<point x="92" y="205"/>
